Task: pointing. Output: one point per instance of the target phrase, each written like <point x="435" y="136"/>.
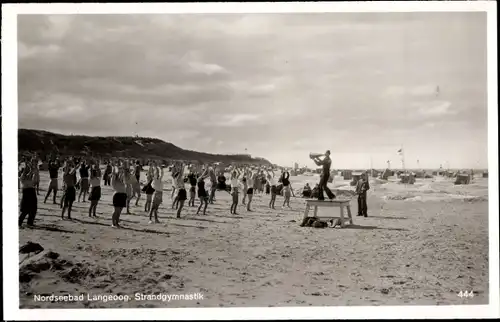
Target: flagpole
<point x="403" y="158"/>
<point x="403" y="163"/>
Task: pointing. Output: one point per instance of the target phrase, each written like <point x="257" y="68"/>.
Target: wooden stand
<point x="331" y="204"/>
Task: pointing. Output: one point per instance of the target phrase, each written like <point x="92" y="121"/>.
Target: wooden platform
<point x="336" y="203"/>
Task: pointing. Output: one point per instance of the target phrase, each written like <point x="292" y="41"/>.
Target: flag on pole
<point x="400" y="151"/>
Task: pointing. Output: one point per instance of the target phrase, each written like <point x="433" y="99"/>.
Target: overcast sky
<point x="280" y="85"/>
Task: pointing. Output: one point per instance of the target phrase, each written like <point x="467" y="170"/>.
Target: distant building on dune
<point x="420" y="174"/>
<point x="407" y="178"/>
<point x="463" y="178"/>
<point x="355" y="177"/>
<point x="347" y="174"/>
<point x="386" y="174"/>
<point x="374" y="173"/>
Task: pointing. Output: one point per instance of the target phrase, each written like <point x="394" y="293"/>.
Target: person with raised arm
<point x="287" y="193"/>
<point x="234" y="189"/>
<point x="158" y="194"/>
<point x="325" y="175"/>
<point x="173" y="174"/>
<point x="250" y="181"/>
<point x="29" y="201"/>
<point x="271" y="179"/>
<point x="136" y="184"/>
<point x="84" y="180"/>
<point x="192" y="178"/>
<point x="95" y="187"/>
<point x="107" y="173"/>
<point x="181" y="194"/>
<point x="137" y="171"/>
<point x="244" y="183"/>
<point x="175" y="187"/>
<point x="120" y="192"/>
<point x="202" y="193"/>
<point x="36" y="175"/>
<point x="128" y="178"/>
<point x="148" y="188"/>
<point x="213" y="184"/>
<point x="69" y="179"/>
<point x="54" y="167"/>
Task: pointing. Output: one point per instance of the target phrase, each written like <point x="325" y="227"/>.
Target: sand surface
<point x="421" y="245"/>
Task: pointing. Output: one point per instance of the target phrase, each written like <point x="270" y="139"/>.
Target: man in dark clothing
<point x="326" y="163"/>
<point x="361" y="188"/>
<point x="107" y="174"/>
<point x="54" y="166"/>
<point x="137" y="170"/>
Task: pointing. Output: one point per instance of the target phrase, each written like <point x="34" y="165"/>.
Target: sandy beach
<point x="420" y="245"/>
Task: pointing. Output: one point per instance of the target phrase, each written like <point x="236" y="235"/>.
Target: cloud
<point x="428" y="90"/>
<point x="436" y="109"/>
<point x="208" y="69"/>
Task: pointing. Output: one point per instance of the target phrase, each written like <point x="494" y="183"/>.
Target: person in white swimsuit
<point x="158" y="194"/>
<point x="271" y="179"/>
<point x="120" y="195"/>
<point x="235" y="186"/>
<point x="95" y="188"/>
<point x="250" y="182"/>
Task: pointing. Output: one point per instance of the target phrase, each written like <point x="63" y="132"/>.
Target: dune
<point x="419" y="251"/>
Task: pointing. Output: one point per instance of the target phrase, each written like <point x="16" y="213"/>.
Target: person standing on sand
<point x="192" y="190"/>
<point x="29" y="202"/>
<point x="250" y="180"/>
<point x="95" y="190"/>
<point x="245" y="186"/>
<point x="234" y="190"/>
<point x="36" y="175"/>
<point x="325" y="175"/>
<point x="137" y="171"/>
<point x="128" y="180"/>
<point x="213" y="185"/>
<point x="136" y="185"/>
<point x="84" y="180"/>
<point x="107" y="173"/>
<point x="202" y="193"/>
<point x="181" y="188"/>
<point x="158" y="194"/>
<point x="175" y="187"/>
<point x="362" y="187"/>
<point x="148" y="189"/>
<point x="287" y="188"/>
<point x="120" y="193"/>
<point x="271" y="179"/>
<point x="54" y="166"/>
<point x="173" y="175"/>
<point x="69" y="179"/>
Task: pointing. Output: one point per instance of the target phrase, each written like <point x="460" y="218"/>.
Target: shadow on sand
<point x="125" y="228"/>
<point x="54" y="228"/>
<point x="203" y="219"/>
<point x="383" y="217"/>
<point x="373" y="227"/>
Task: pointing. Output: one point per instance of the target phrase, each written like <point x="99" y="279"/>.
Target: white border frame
<point x="9" y="158"/>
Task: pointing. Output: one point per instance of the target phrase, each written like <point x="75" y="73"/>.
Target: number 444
<point x="466" y="294"/>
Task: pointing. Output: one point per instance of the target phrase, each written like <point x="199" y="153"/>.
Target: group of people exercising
<point x="124" y="178"/>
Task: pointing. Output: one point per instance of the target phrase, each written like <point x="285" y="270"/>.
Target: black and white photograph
<point x="272" y="157"/>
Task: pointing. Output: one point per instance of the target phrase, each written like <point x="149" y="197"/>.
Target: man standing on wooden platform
<point x="326" y="163"/>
